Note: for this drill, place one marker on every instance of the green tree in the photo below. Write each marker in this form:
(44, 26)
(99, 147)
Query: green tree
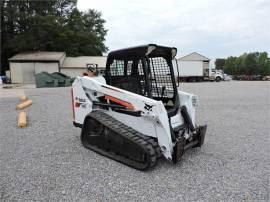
(240, 64)
(230, 65)
(263, 64)
(255, 63)
(50, 26)
(86, 28)
(220, 63)
(250, 64)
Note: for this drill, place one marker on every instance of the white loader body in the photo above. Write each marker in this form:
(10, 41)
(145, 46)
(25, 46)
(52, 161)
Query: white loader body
(153, 122)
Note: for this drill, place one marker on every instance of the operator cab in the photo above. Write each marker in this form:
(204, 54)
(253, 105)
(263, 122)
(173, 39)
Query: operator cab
(145, 70)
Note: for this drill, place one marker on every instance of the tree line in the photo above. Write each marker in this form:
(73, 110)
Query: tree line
(256, 63)
(49, 25)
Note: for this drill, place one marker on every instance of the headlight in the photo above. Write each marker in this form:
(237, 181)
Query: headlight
(195, 100)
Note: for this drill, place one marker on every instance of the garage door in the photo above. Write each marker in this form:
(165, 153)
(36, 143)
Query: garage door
(16, 72)
(28, 72)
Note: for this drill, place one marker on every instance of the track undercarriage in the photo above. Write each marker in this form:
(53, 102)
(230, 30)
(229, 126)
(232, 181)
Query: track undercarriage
(109, 137)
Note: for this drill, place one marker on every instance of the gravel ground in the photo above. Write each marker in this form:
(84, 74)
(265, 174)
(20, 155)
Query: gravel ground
(46, 161)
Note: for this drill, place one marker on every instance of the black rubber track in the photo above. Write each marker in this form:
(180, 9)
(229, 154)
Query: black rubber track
(147, 145)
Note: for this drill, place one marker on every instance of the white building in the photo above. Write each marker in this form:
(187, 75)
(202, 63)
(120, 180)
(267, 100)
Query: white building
(73, 66)
(193, 64)
(24, 66)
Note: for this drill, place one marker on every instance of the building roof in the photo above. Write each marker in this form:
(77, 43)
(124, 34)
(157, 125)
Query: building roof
(38, 56)
(82, 61)
(194, 57)
(150, 50)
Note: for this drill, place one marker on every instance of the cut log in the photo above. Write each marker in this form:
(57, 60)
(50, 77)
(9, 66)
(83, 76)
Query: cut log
(24, 104)
(22, 120)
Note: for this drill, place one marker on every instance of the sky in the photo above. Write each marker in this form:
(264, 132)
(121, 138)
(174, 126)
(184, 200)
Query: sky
(213, 28)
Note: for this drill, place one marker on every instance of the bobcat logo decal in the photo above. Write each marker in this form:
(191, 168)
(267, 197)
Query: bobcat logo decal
(148, 107)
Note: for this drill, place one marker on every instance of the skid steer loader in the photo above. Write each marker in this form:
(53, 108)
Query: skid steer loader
(135, 114)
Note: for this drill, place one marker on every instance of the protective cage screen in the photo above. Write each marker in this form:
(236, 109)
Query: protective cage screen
(129, 75)
(160, 78)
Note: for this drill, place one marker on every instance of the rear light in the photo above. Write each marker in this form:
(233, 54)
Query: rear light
(73, 112)
(77, 104)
